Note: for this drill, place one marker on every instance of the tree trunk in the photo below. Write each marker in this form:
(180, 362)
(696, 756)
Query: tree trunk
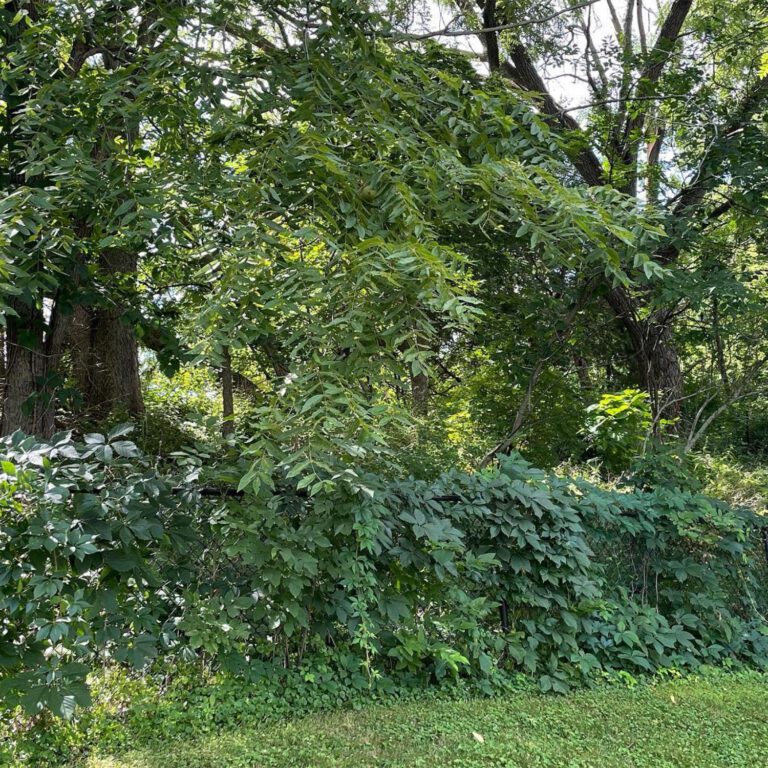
(227, 397)
(28, 402)
(655, 360)
(29, 398)
(105, 357)
(665, 377)
(420, 393)
(582, 373)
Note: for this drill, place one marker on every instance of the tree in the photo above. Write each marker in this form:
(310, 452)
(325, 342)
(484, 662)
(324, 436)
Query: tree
(76, 82)
(103, 103)
(640, 84)
(286, 188)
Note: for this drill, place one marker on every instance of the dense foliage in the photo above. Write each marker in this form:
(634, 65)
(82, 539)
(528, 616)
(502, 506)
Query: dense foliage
(480, 574)
(352, 280)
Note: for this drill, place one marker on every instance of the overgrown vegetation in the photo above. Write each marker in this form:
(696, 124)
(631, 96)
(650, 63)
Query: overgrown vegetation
(484, 574)
(334, 349)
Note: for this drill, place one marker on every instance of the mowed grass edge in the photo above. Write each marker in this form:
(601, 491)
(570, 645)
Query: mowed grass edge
(701, 723)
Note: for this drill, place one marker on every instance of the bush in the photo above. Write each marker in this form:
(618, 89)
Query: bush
(85, 530)
(617, 426)
(479, 576)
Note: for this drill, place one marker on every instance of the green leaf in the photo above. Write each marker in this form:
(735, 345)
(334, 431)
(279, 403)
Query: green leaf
(120, 431)
(122, 561)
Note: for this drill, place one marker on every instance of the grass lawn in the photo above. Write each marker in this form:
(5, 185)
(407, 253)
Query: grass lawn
(698, 723)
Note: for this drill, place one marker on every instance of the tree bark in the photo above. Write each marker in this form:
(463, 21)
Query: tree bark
(654, 358)
(27, 401)
(25, 405)
(105, 357)
(33, 351)
(521, 70)
(420, 393)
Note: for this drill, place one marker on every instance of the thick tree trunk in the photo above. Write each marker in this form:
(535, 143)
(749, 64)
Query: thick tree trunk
(655, 360)
(27, 403)
(105, 357)
(664, 378)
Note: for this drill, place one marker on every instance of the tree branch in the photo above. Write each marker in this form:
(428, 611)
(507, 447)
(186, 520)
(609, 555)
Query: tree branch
(525, 406)
(737, 393)
(490, 36)
(591, 50)
(668, 34)
(448, 32)
(692, 196)
(520, 69)
(641, 28)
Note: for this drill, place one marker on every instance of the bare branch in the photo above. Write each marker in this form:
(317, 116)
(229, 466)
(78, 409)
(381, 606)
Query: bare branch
(520, 416)
(615, 21)
(737, 393)
(649, 76)
(448, 32)
(621, 99)
(694, 437)
(591, 51)
(691, 197)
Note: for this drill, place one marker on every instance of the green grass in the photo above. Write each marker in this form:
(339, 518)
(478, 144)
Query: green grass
(700, 723)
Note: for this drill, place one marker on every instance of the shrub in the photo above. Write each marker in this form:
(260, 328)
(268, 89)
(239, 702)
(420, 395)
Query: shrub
(480, 576)
(617, 426)
(84, 529)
